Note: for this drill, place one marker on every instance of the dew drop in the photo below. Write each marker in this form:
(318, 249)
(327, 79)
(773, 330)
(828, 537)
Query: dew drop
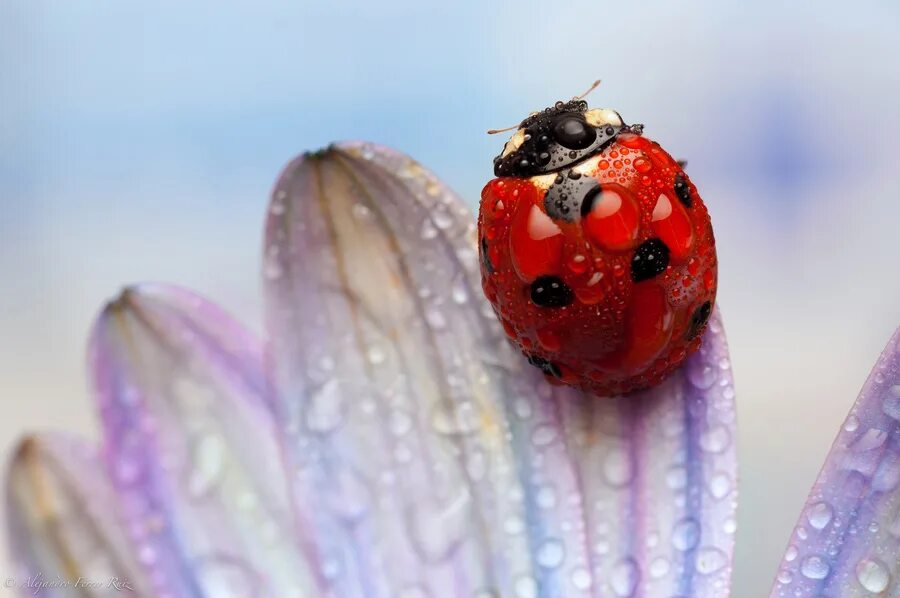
(715, 440)
(873, 575)
(819, 515)
(617, 468)
(851, 424)
(400, 423)
(702, 375)
(436, 319)
(686, 534)
(550, 554)
(791, 554)
(815, 567)
(224, 575)
(437, 528)
(428, 230)
(361, 212)
(720, 485)
(459, 292)
(442, 219)
(273, 269)
(891, 405)
(543, 435)
(659, 567)
(710, 560)
(208, 464)
(581, 578)
(323, 411)
(676, 477)
(624, 577)
(526, 587)
(546, 497)
(376, 355)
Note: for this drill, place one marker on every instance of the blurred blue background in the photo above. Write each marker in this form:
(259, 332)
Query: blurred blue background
(139, 141)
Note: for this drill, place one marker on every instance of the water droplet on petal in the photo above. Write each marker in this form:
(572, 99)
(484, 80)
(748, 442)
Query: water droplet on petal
(819, 515)
(625, 577)
(400, 423)
(436, 319)
(438, 528)
(581, 578)
(428, 231)
(526, 587)
(715, 439)
(686, 534)
(873, 575)
(659, 567)
(815, 567)
(376, 355)
(710, 560)
(208, 464)
(546, 497)
(617, 468)
(550, 554)
(442, 219)
(543, 435)
(324, 407)
(459, 292)
(720, 485)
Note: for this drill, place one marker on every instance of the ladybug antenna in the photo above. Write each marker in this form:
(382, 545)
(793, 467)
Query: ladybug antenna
(495, 131)
(593, 86)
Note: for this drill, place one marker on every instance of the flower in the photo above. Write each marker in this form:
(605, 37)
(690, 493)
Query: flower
(385, 440)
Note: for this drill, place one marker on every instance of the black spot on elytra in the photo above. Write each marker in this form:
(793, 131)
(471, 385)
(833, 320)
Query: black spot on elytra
(550, 369)
(485, 259)
(551, 291)
(565, 198)
(650, 259)
(683, 190)
(699, 320)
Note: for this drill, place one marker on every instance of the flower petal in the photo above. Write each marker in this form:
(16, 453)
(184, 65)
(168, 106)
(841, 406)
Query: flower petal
(191, 446)
(847, 542)
(432, 456)
(65, 521)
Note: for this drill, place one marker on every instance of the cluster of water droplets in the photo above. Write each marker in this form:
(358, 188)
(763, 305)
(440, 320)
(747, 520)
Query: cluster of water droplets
(849, 535)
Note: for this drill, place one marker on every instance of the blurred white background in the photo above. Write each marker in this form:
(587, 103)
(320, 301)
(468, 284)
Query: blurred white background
(138, 141)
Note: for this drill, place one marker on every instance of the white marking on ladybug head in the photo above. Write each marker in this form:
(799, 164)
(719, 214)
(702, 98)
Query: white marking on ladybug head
(514, 143)
(599, 117)
(543, 181)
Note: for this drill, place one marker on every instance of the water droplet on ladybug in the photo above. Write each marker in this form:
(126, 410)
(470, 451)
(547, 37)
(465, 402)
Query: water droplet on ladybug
(611, 217)
(683, 190)
(545, 366)
(699, 320)
(550, 291)
(573, 133)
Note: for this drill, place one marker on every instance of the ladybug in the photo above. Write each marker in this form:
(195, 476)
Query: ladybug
(597, 252)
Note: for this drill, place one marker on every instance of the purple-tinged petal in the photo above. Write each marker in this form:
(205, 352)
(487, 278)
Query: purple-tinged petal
(191, 446)
(650, 479)
(847, 542)
(431, 455)
(65, 522)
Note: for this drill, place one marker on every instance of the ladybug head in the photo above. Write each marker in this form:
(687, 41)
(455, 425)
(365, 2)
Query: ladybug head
(556, 137)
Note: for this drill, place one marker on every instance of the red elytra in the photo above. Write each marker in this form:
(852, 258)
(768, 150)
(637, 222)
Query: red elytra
(610, 299)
